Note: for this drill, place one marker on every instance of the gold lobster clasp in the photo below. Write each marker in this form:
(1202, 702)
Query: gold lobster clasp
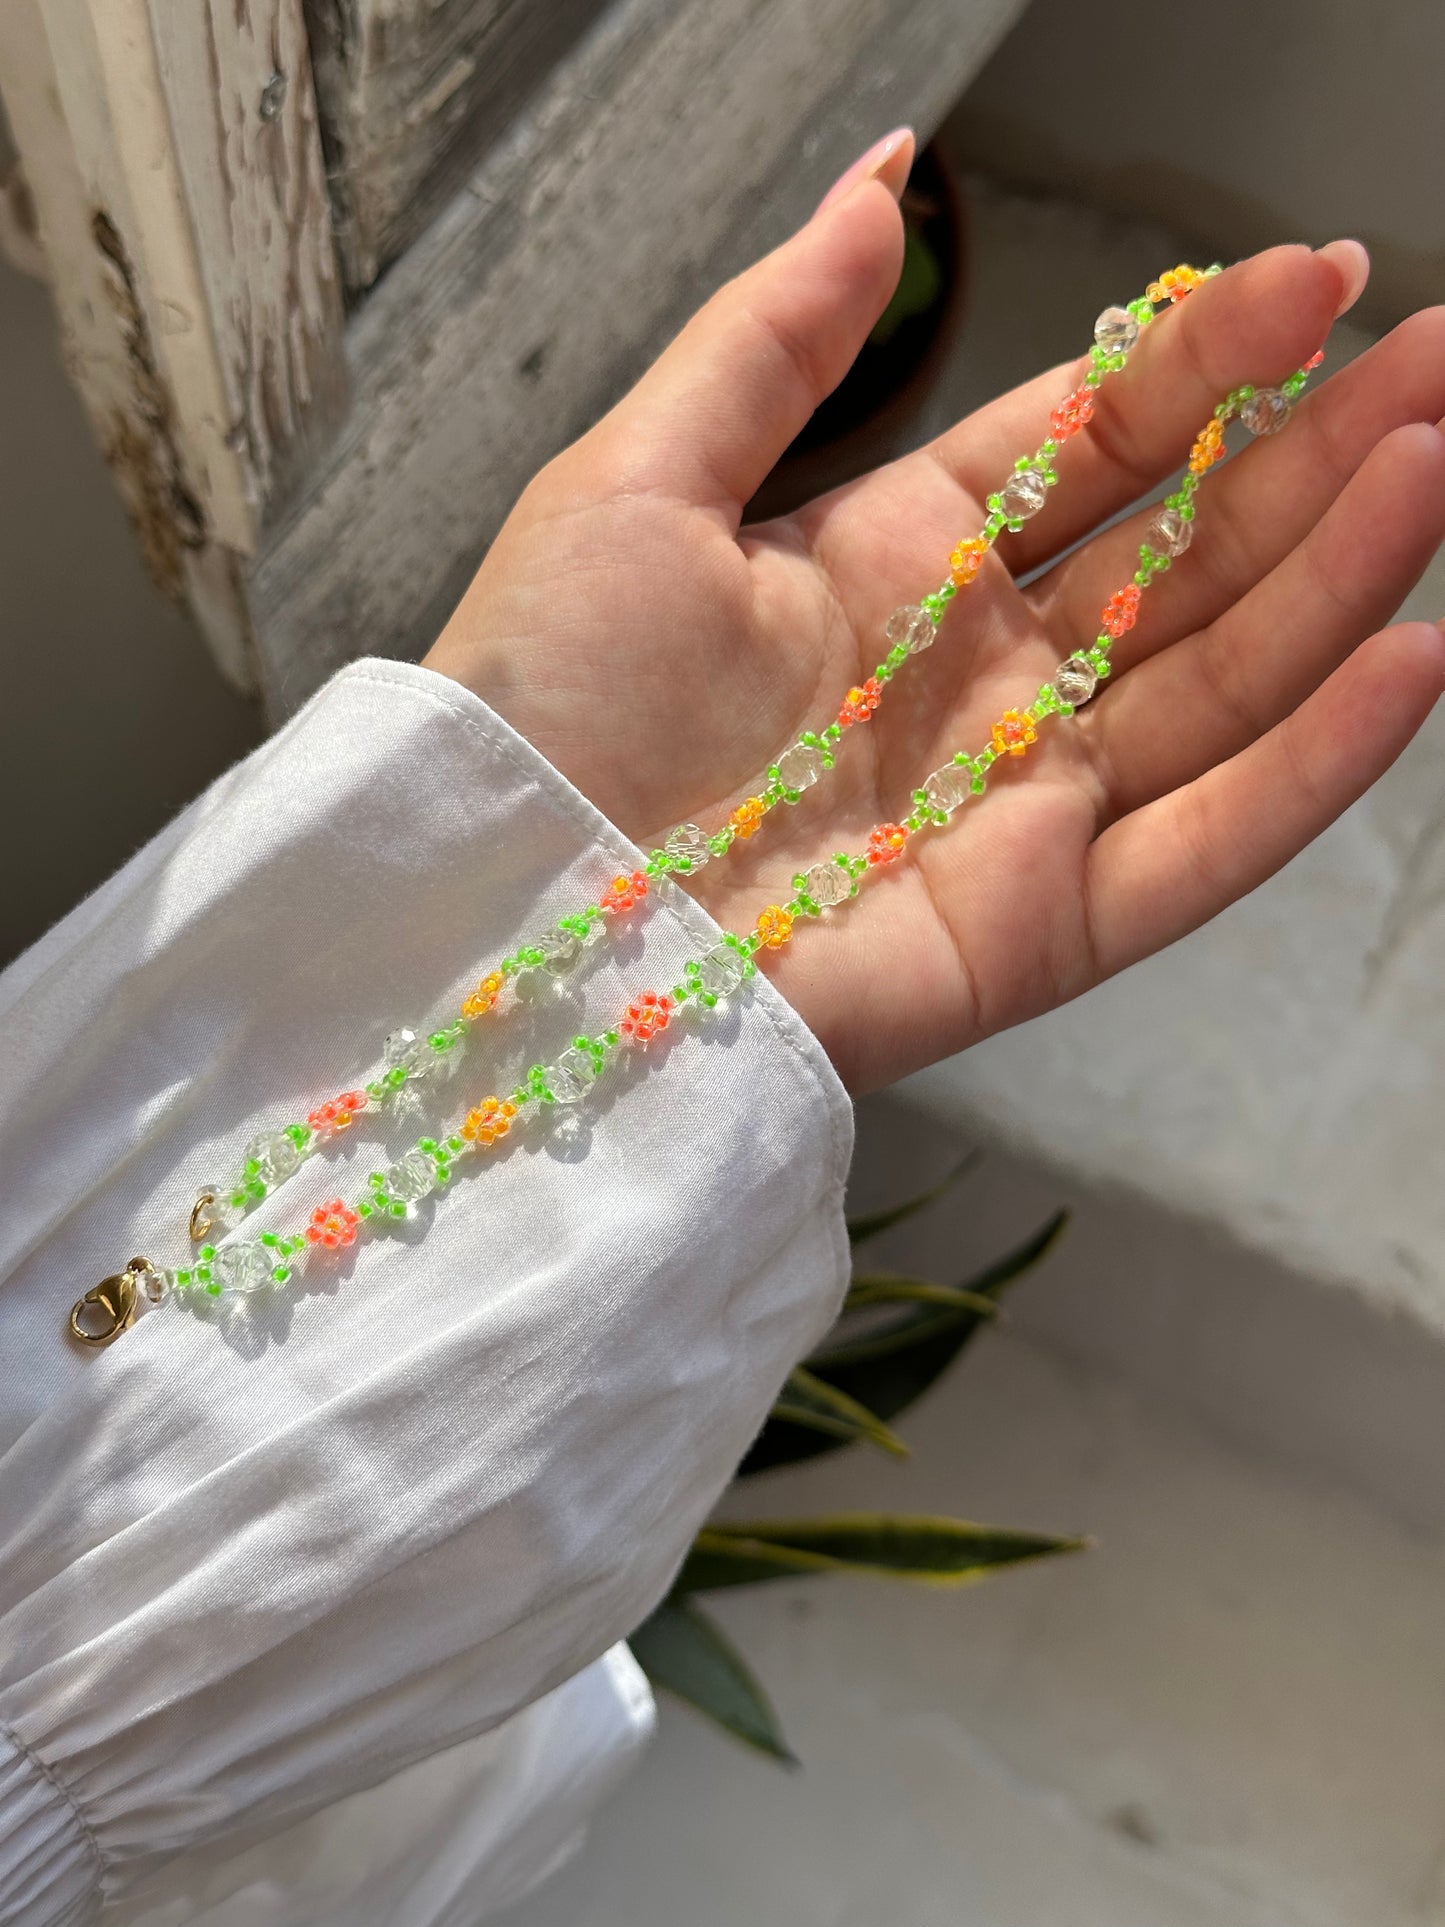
(104, 1311)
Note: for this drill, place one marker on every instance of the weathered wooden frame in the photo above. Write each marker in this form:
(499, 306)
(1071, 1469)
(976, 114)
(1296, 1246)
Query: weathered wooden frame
(173, 163)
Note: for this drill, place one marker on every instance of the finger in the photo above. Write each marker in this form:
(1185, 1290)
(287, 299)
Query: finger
(713, 414)
(1207, 697)
(1260, 505)
(1255, 322)
(1171, 866)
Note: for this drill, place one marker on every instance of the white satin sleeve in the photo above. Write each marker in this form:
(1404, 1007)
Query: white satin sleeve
(250, 1568)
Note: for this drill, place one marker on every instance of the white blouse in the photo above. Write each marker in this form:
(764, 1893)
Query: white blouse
(312, 1613)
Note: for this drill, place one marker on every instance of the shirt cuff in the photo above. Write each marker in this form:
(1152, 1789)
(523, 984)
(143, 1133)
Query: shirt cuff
(49, 1866)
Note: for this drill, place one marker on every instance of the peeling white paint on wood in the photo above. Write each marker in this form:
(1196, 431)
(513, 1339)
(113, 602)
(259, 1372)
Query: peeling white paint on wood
(242, 114)
(186, 232)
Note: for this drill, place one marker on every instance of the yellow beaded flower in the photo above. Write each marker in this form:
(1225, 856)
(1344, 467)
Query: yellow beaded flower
(1174, 283)
(1208, 446)
(1014, 731)
(775, 926)
(489, 1120)
(966, 560)
(747, 816)
(484, 996)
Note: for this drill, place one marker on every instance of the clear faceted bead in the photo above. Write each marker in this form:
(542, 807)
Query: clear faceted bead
(1075, 681)
(405, 1050)
(275, 1156)
(572, 1075)
(721, 970)
(826, 884)
(1266, 412)
(688, 841)
(1168, 533)
(911, 625)
(799, 767)
(1116, 331)
(411, 1178)
(153, 1283)
(242, 1267)
(560, 950)
(945, 789)
(1024, 494)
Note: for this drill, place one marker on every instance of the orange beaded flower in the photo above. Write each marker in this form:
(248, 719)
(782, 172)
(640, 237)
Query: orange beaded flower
(489, 1120)
(1208, 446)
(484, 996)
(885, 842)
(1174, 283)
(647, 1016)
(775, 926)
(1121, 610)
(332, 1225)
(623, 891)
(860, 703)
(1072, 413)
(337, 1113)
(747, 816)
(966, 560)
(1014, 731)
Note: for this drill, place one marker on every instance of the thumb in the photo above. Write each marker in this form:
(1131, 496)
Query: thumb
(716, 410)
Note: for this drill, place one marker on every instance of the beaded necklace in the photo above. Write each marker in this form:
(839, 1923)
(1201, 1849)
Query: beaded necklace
(414, 1058)
(242, 1266)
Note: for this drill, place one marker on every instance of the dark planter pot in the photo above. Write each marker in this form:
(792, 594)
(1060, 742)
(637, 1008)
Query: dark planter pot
(868, 417)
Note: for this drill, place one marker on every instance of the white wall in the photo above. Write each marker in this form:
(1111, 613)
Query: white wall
(1237, 123)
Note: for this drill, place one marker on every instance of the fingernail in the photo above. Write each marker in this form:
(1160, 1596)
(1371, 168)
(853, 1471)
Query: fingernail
(883, 157)
(1353, 262)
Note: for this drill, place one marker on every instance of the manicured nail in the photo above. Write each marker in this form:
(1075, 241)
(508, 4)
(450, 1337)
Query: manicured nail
(1353, 262)
(891, 158)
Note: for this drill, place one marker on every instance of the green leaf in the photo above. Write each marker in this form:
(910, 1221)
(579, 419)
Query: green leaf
(861, 1229)
(889, 1366)
(683, 1652)
(928, 1550)
(892, 1288)
(919, 282)
(806, 1400)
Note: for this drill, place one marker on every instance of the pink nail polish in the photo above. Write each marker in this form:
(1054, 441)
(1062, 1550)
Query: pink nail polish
(866, 166)
(1353, 262)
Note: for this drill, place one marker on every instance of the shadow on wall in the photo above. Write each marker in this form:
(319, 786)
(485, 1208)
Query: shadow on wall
(113, 715)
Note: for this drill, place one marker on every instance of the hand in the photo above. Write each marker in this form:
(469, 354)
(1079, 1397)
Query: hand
(661, 656)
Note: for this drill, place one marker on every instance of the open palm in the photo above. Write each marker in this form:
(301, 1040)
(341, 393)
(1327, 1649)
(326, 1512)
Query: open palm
(661, 656)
